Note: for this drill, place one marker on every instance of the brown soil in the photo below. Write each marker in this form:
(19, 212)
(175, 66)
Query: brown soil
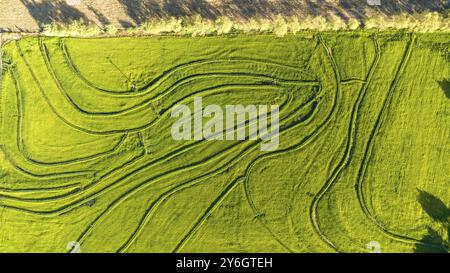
(31, 15)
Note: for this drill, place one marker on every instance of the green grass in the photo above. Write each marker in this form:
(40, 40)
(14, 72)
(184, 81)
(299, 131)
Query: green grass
(87, 154)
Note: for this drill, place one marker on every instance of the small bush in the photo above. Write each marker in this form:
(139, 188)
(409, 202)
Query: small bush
(224, 25)
(294, 25)
(111, 30)
(353, 24)
(423, 22)
(161, 26)
(280, 26)
(77, 28)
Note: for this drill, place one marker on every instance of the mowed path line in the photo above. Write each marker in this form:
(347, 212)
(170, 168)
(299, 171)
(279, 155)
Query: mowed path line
(65, 195)
(350, 144)
(46, 199)
(306, 141)
(313, 213)
(359, 186)
(168, 73)
(165, 196)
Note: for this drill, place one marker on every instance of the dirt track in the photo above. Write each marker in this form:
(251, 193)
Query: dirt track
(30, 15)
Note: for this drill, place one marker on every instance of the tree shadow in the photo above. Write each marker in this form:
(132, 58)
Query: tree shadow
(139, 11)
(433, 206)
(48, 11)
(142, 10)
(190, 7)
(445, 85)
(102, 19)
(433, 241)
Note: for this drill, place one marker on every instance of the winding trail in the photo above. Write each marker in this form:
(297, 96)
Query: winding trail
(115, 184)
(313, 213)
(202, 219)
(163, 197)
(359, 185)
(350, 144)
(163, 76)
(307, 140)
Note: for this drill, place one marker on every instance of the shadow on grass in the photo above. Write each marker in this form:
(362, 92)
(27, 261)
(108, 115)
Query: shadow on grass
(433, 206)
(432, 237)
(433, 241)
(445, 85)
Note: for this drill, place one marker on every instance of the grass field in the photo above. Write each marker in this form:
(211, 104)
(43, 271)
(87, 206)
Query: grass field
(87, 154)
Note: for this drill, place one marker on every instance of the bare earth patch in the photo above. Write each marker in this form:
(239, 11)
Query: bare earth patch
(31, 15)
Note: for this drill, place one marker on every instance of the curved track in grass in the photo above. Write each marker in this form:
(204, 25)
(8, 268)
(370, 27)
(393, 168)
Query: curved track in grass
(359, 185)
(162, 198)
(116, 150)
(92, 188)
(163, 76)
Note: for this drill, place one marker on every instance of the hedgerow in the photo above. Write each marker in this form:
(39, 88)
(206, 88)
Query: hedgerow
(278, 25)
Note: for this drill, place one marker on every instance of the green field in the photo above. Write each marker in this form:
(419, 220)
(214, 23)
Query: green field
(87, 154)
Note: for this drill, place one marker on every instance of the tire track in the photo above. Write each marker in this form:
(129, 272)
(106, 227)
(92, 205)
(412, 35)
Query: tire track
(313, 208)
(136, 129)
(142, 168)
(115, 184)
(202, 219)
(165, 75)
(300, 146)
(38, 164)
(213, 206)
(177, 84)
(190, 183)
(359, 186)
(21, 145)
(21, 54)
(30, 68)
(150, 211)
(349, 148)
